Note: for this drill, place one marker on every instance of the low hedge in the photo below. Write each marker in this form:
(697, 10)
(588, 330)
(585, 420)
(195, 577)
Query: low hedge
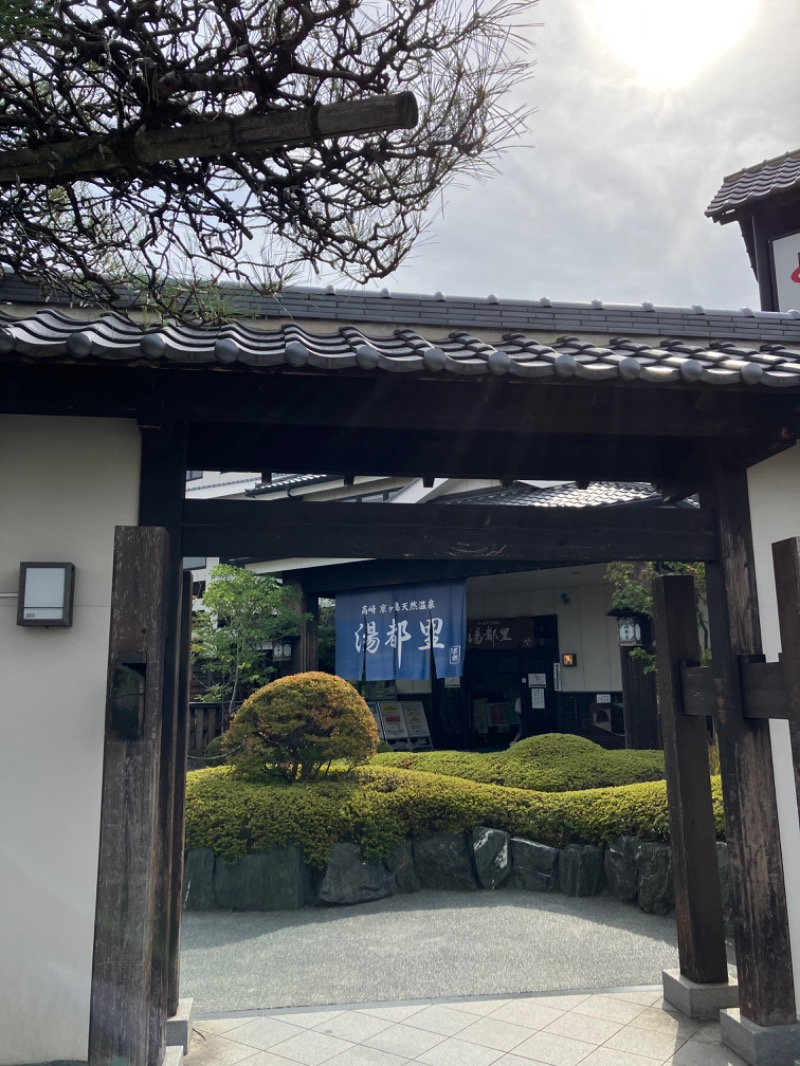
(378, 808)
(555, 762)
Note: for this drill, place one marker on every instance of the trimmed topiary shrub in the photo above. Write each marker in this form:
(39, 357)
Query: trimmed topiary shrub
(379, 808)
(296, 725)
(554, 762)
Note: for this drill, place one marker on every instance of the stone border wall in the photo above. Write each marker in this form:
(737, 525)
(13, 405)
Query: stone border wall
(632, 870)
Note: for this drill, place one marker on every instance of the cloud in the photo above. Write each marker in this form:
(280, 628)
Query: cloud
(609, 203)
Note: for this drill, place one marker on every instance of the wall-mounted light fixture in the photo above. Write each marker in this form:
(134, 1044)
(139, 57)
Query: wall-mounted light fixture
(569, 658)
(46, 593)
(565, 598)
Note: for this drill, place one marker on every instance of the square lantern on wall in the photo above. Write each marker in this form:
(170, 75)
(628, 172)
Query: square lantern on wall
(569, 659)
(46, 593)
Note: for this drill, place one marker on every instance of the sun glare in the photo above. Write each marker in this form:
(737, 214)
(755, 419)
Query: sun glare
(670, 42)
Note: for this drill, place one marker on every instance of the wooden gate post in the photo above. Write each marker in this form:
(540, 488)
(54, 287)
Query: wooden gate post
(786, 559)
(125, 916)
(758, 895)
(698, 899)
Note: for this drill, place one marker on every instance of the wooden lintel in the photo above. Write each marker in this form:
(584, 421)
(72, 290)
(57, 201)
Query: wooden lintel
(252, 528)
(763, 685)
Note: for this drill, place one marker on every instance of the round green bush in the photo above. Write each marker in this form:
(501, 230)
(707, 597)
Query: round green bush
(296, 725)
(554, 762)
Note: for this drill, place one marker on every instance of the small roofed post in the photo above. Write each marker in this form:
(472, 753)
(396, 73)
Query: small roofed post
(765, 200)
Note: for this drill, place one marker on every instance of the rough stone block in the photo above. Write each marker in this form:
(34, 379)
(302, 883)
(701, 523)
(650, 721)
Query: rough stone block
(443, 862)
(198, 880)
(534, 866)
(580, 870)
(401, 864)
(656, 889)
(179, 1025)
(350, 879)
(701, 1002)
(622, 873)
(490, 852)
(760, 1045)
(274, 880)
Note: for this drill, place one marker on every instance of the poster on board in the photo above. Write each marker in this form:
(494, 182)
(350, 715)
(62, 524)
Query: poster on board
(393, 719)
(416, 722)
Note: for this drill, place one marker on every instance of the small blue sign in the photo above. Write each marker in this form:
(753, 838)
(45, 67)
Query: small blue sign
(389, 634)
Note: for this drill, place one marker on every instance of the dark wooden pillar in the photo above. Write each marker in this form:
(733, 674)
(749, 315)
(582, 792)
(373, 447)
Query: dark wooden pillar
(639, 700)
(175, 901)
(307, 654)
(698, 899)
(127, 889)
(162, 489)
(786, 559)
(758, 896)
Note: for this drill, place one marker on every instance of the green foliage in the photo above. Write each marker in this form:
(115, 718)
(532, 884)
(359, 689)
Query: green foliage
(632, 585)
(239, 613)
(377, 808)
(296, 725)
(551, 763)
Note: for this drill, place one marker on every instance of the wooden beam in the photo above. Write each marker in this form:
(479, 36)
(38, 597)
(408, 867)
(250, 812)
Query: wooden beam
(162, 486)
(698, 898)
(786, 559)
(127, 892)
(758, 894)
(236, 528)
(219, 135)
(764, 691)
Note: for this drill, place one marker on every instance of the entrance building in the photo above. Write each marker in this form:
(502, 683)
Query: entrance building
(102, 418)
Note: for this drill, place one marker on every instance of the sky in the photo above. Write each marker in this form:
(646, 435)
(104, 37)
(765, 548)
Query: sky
(642, 107)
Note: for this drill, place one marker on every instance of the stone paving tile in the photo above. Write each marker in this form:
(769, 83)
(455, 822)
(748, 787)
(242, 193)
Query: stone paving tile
(604, 1056)
(647, 1042)
(699, 1053)
(610, 1010)
(531, 1013)
(405, 1040)
(611, 1028)
(662, 1021)
(515, 1060)
(263, 1033)
(561, 1000)
(210, 1050)
(494, 1033)
(353, 1026)
(583, 1027)
(217, 1025)
(647, 997)
(366, 1056)
(309, 1019)
(553, 1049)
(440, 1019)
(311, 1048)
(481, 1007)
(395, 1012)
(458, 1053)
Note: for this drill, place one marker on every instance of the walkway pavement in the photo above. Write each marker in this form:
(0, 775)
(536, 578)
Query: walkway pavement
(620, 1027)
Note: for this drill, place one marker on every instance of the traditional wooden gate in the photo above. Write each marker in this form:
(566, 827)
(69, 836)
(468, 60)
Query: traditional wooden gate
(139, 891)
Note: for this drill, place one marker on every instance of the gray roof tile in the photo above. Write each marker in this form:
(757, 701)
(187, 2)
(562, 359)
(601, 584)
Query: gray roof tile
(755, 183)
(51, 335)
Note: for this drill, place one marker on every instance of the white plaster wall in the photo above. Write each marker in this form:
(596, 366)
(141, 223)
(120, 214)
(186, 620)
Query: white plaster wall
(774, 488)
(583, 625)
(64, 484)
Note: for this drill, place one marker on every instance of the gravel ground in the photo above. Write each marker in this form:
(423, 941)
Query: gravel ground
(428, 944)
